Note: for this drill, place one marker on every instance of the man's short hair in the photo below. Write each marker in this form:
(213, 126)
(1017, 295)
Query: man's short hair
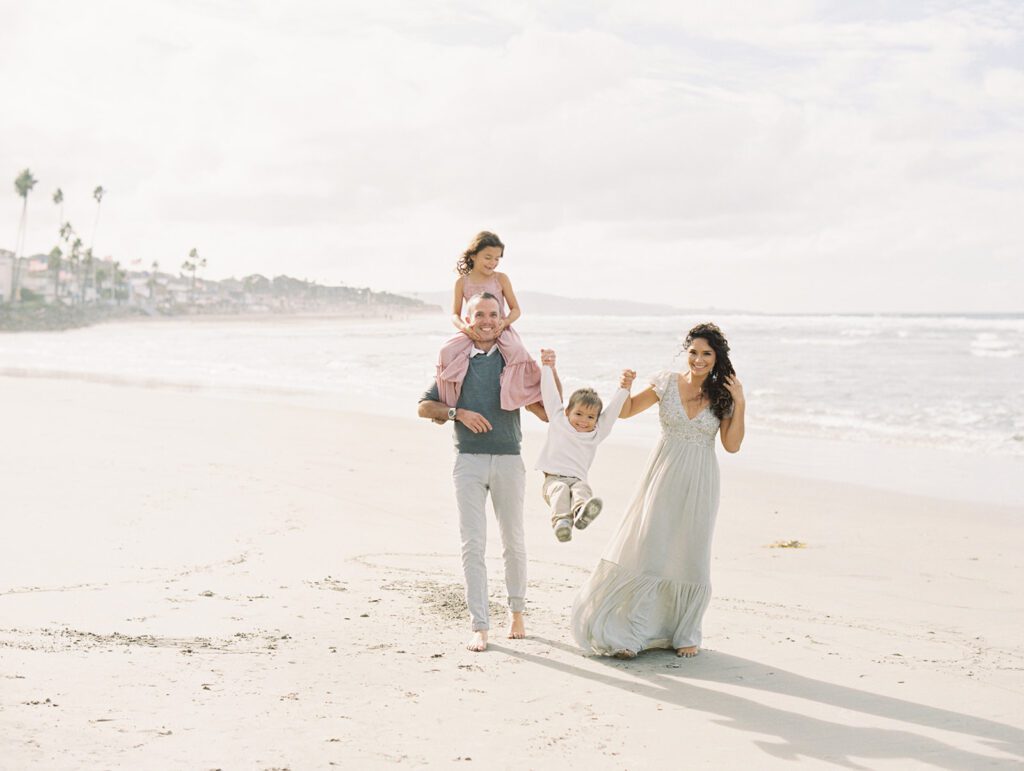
(586, 397)
(482, 296)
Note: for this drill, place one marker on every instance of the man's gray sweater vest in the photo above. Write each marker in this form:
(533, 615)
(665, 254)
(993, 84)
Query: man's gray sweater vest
(481, 392)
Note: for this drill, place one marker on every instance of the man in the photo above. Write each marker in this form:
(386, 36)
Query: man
(487, 440)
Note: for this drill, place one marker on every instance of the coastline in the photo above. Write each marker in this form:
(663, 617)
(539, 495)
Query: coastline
(205, 557)
(355, 313)
(63, 318)
(948, 472)
(58, 318)
(921, 471)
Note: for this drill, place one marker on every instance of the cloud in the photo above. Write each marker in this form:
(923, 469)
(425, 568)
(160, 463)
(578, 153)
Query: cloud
(769, 143)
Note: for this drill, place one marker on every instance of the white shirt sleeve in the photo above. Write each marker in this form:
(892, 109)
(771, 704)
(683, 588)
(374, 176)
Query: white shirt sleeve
(610, 414)
(549, 392)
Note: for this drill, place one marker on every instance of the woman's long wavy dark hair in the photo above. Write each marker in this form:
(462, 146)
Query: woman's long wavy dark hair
(480, 241)
(714, 384)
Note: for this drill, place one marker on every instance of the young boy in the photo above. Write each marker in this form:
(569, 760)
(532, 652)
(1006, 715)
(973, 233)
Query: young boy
(573, 436)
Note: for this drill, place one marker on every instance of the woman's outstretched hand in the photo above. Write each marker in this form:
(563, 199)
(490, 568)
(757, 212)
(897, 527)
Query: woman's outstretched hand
(628, 376)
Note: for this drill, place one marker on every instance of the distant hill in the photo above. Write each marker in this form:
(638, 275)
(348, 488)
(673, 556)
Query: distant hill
(551, 305)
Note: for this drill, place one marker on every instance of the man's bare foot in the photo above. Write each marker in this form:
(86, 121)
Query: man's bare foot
(479, 642)
(516, 627)
(625, 654)
(688, 652)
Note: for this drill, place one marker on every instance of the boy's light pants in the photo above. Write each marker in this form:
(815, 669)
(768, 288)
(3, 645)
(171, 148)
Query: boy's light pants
(565, 496)
(504, 477)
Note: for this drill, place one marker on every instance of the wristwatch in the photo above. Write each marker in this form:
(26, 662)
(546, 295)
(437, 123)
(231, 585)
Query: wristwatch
(451, 413)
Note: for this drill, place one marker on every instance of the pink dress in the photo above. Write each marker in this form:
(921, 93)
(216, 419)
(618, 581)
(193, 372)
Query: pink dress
(520, 380)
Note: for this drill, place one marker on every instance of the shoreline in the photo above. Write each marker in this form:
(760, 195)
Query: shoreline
(919, 470)
(333, 360)
(64, 318)
(381, 313)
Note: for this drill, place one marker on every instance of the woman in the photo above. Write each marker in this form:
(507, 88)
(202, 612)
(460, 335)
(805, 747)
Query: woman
(652, 586)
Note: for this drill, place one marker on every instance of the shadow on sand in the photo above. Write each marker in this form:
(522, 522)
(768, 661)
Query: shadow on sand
(799, 735)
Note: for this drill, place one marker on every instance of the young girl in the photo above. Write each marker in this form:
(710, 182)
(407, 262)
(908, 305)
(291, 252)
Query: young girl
(520, 379)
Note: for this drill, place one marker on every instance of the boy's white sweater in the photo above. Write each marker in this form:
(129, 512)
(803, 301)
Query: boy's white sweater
(568, 452)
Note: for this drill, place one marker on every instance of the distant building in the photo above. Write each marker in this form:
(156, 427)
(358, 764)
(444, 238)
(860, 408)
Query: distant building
(6, 275)
(141, 287)
(35, 277)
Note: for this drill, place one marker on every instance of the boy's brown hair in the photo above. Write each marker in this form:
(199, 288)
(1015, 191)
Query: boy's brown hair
(587, 397)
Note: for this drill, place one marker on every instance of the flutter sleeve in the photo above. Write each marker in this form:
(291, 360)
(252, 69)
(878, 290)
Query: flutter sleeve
(661, 382)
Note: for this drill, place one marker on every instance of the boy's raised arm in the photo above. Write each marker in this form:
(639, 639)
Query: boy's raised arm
(611, 411)
(548, 388)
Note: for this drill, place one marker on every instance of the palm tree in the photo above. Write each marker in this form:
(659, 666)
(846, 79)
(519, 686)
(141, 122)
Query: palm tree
(119, 276)
(58, 199)
(54, 263)
(66, 231)
(192, 264)
(76, 251)
(101, 277)
(98, 194)
(151, 282)
(88, 269)
(23, 184)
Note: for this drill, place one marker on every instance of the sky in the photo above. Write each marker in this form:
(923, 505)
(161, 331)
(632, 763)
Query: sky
(784, 156)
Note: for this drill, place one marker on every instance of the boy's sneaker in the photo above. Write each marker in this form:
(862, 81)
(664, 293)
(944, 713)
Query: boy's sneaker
(588, 513)
(563, 530)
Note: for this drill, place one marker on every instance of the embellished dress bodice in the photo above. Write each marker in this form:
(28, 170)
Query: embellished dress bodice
(675, 425)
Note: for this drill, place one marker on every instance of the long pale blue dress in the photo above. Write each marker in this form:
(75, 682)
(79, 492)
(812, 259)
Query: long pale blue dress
(653, 583)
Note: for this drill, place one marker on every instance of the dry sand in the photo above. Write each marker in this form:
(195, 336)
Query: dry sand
(188, 582)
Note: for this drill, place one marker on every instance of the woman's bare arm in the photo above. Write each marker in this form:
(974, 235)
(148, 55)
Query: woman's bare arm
(634, 405)
(733, 428)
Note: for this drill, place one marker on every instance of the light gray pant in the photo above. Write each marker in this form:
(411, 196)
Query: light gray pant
(565, 496)
(504, 477)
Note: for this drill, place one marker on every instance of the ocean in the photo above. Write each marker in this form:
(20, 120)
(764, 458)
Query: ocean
(951, 384)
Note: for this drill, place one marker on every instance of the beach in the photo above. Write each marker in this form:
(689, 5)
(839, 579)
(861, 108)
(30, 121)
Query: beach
(188, 580)
(242, 243)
